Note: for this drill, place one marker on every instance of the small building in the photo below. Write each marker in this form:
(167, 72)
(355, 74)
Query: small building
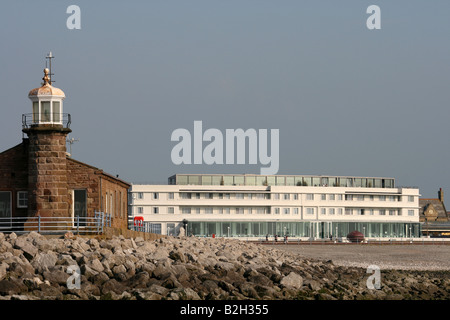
(39, 178)
(434, 216)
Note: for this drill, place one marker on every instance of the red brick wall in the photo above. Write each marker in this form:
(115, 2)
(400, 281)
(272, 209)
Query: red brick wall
(104, 193)
(14, 174)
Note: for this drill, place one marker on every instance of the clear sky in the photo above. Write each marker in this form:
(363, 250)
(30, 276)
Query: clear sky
(347, 100)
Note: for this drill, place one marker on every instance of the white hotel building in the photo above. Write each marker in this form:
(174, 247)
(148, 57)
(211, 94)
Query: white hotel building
(253, 206)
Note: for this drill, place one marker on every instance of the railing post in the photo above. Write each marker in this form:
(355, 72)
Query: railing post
(39, 224)
(78, 225)
(97, 221)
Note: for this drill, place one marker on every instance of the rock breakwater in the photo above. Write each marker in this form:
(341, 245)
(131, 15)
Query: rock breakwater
(33, 266)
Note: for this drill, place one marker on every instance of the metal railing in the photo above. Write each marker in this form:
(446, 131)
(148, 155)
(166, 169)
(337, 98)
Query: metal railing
(35, 119)
(146, 226)
(56, 225)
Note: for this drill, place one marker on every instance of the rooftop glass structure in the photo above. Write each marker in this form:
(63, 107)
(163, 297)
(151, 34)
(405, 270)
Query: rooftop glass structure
(279, 180)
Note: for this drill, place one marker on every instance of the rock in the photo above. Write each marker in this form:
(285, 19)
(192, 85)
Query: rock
(184, 294)
(56, 277)
(9, 287)
(96, 265)
(293, 280)
(87, 271)
(112, 285)
(12, 236)
(69, 235)
(119, 269)
(29, 250)
(43, 261)
(3, 268)
(312, 284)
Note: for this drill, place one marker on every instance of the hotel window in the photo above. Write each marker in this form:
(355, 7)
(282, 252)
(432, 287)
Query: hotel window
(276, 196)
(155, 210)
(209, 210)
(226, 210)
(371, 197)
(209, 196)
(186, 210)
(410, 212)
(382, 198)
(392, 198)
(360, 197)
(277, 211)
(22, 199)
(220, 195)
(260, 210)
(140, 195)
(286, 210)
(287, 196)
(249, 210)
(197, 195)
(392, 212)
(410, 198)
(295, 211)
(220, 210)
(331, 211)
(155, 195)
(309, 210)
(239, 196)
(349, 197)
(239, 210)
(360, 212)
(382, 212)
(170, 210)
(185, 196)
(310, 196)
(369, 212)
(170, 196)
(324, 196)
(140, 210)
(323, 211)
(332, 197)
(348, 211)
(249, 196)
(295, 196)
(340, 197)
(340, 211)
(227, 196)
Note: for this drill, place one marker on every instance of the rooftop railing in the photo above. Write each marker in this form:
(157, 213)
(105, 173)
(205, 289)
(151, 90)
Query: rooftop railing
(30, 120)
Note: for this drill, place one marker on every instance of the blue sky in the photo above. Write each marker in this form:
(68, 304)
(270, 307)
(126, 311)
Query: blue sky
(347, 100)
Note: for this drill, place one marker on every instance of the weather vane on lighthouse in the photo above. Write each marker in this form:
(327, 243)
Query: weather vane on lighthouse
(48, 64)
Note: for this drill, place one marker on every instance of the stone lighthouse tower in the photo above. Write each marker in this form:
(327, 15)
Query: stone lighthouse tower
(47, 128)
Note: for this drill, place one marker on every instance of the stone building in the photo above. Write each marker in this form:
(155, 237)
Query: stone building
(434, 216)
(39, 178)
(433, 210)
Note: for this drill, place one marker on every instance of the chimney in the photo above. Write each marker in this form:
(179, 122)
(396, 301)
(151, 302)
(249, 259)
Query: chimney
(441, 195)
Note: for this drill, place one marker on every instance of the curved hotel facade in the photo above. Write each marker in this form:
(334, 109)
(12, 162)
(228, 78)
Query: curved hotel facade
(298, 206)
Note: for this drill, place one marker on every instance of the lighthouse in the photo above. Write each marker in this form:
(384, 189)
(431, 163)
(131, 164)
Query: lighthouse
(47, 128)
